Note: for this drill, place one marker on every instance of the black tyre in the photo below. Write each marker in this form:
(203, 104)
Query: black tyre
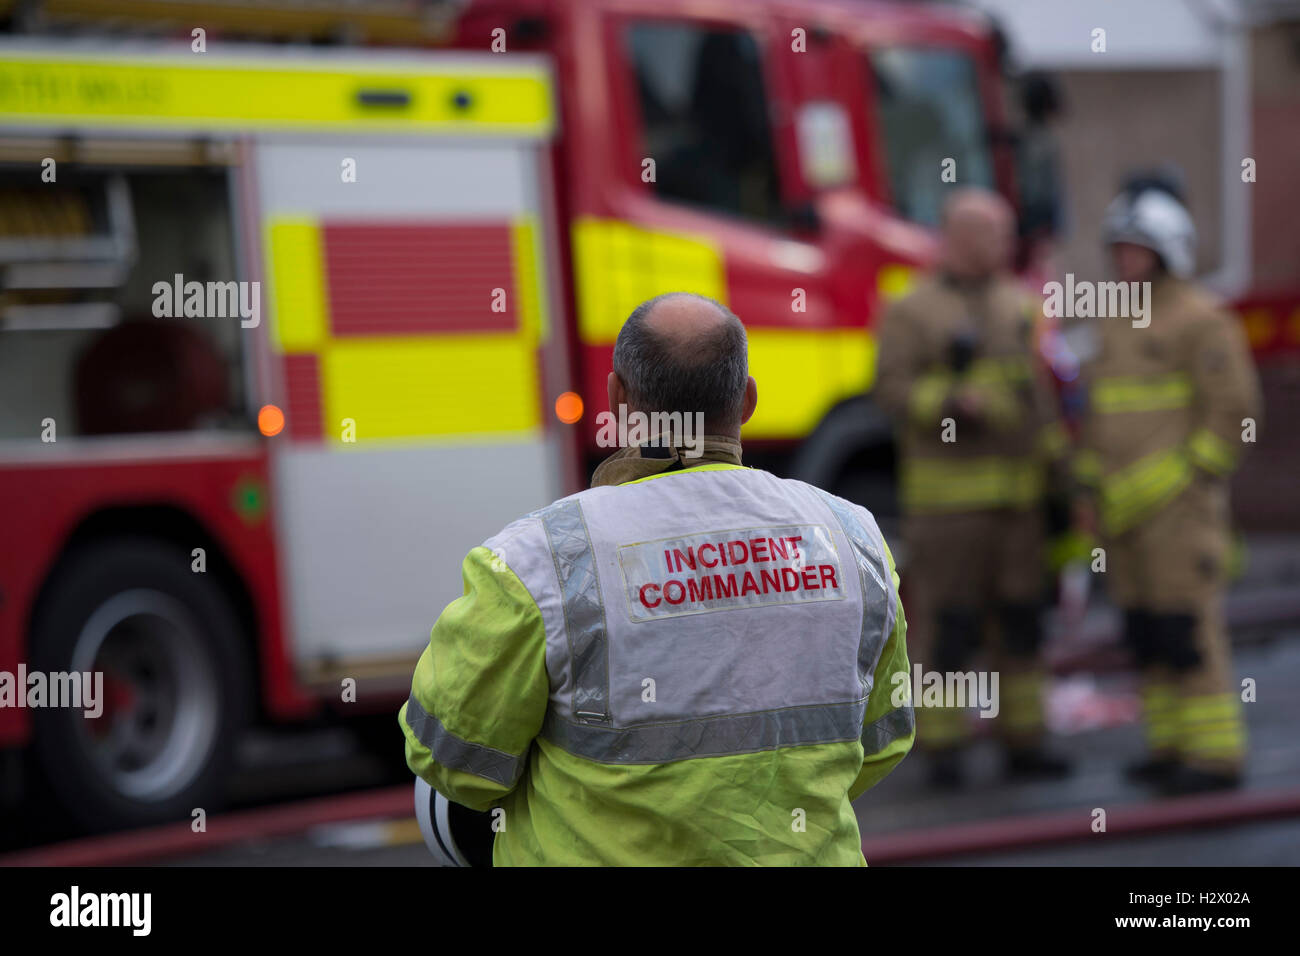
(851, 454)
(176, 685)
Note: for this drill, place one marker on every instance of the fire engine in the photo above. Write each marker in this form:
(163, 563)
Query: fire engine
(444, 212)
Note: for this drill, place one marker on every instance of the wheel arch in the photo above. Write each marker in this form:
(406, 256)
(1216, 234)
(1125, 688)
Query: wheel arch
(852, 426)
(173, 525)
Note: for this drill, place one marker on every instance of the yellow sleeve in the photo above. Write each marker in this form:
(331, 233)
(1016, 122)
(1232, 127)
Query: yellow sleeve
(480, 689)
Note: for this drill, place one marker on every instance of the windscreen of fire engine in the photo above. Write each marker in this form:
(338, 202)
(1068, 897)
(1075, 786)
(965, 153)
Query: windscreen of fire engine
(931, 119)
(120, 313)
(704, 113)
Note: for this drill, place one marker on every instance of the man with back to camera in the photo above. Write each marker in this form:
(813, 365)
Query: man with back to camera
(690, 663)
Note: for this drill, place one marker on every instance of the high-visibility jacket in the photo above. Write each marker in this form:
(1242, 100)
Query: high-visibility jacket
(1002, 461)
(1164, 400)
(691, 668)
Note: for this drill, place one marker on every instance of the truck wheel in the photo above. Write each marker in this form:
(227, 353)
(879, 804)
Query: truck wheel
(175, 685)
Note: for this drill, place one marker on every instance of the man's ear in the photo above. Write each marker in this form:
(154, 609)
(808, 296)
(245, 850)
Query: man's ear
(751, 400)
(617, 393)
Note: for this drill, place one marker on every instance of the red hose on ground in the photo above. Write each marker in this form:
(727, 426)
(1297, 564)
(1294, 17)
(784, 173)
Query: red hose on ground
(1066, 826)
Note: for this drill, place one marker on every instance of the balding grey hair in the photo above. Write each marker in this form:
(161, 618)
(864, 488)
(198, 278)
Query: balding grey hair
(706, 372)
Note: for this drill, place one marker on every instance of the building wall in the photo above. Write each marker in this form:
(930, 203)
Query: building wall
(1275, 145)
(1117, 121)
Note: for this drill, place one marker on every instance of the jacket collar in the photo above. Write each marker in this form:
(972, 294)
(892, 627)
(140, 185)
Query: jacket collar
(642, 461)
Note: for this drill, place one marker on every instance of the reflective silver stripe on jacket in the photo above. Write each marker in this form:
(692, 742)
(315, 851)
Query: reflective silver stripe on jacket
(879, 602)
(453, 752)
(584, 613)
(708, 736)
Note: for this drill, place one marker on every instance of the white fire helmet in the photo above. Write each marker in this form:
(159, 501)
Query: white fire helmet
(455, 835)
(1155, 220)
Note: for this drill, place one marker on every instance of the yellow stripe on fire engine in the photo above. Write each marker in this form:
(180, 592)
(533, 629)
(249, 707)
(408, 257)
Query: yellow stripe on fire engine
(534, 322)
(162, 90)
(297, 274)
(618, 266)
(895, 281)
(423, 386)
(802, 374)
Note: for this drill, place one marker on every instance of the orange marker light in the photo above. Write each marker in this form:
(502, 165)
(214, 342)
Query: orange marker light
(270, 420)
(568, 407)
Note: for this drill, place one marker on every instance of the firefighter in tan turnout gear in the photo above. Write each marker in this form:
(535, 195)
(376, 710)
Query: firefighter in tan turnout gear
(1169, 404)
(979, 441)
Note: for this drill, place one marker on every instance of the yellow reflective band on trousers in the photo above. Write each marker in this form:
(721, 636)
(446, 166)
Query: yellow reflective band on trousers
(957, 484)
(1160, 715)
(1129, 494)
(1133, 394)
(1211, 452)
(1210, 729)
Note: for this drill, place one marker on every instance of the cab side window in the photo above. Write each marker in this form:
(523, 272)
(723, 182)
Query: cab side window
(930, 111)
(705, 120)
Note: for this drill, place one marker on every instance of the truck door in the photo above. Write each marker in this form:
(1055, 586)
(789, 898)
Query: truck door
(689, 180)
(410, 311)
(930, 117)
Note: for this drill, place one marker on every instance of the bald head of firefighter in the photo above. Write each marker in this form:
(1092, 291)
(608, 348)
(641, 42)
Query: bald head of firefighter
(682, 352)
(663, 668)
(977, 433)
(977, 231)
